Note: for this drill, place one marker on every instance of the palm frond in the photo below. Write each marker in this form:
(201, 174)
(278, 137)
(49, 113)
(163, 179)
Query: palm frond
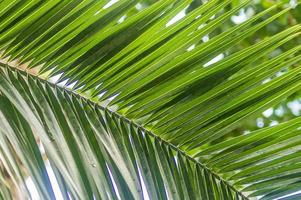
(92, 147)
(140, 103)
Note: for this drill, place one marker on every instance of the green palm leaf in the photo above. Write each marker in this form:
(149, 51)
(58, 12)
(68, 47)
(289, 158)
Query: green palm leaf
(125, 100)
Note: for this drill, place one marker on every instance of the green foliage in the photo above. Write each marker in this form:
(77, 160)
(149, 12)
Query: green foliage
(125, 95)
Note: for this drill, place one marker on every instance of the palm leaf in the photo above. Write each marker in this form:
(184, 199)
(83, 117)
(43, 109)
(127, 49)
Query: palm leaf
(127, 103)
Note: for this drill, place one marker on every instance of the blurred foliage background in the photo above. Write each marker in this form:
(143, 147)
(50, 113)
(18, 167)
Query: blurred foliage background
(291, 107)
